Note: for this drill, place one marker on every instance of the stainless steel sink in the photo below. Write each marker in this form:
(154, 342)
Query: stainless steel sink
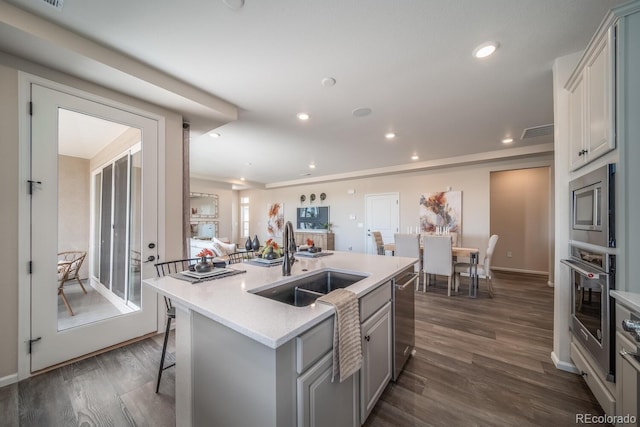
(303, 291)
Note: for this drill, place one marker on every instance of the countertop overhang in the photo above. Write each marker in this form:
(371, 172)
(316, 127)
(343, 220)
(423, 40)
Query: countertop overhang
(230, 301)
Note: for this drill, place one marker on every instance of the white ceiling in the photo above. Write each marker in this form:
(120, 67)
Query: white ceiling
(409, 61)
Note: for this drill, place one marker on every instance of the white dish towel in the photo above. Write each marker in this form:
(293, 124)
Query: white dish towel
(347, 341)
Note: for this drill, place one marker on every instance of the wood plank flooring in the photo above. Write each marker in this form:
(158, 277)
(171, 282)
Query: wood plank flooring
(478, 362)
(116, 388)
(485, 362)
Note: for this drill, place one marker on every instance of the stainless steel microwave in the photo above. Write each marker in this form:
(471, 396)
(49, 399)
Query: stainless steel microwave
(593, 207)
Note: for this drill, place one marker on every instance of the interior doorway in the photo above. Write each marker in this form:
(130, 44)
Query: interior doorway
(382, 212)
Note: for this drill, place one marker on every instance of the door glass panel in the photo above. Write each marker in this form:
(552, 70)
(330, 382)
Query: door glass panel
(105, 227)
(135, 241)
(98, 217)
(120, 223)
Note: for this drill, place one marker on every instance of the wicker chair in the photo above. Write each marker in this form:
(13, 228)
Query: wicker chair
(75, 259)
(69, 264)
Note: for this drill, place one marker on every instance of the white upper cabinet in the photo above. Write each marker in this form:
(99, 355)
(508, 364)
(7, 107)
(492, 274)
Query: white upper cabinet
(591, 103)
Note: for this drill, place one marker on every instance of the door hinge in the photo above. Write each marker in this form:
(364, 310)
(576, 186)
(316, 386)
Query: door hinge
(30, 108)
(31, 184)
(31, 343)
(30, 267)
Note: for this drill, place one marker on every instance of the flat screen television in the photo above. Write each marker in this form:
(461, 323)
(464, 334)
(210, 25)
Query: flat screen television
(312, 218)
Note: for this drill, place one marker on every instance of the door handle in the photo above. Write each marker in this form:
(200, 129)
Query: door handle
(150, 258)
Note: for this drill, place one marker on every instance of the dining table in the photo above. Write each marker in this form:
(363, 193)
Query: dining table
(457, 251)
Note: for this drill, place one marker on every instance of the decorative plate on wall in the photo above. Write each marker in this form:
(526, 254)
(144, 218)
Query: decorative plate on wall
(303, 198)
(312, 197)
(323, 196)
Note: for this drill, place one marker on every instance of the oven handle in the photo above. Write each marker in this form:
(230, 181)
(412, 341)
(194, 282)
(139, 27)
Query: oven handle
(589, 274)
(632, 358)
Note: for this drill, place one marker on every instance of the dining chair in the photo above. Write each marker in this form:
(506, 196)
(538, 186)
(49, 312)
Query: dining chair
(484, 269)
(236, 257)
(377, 238)
(408, 245)
(164, 269)
(437, 259)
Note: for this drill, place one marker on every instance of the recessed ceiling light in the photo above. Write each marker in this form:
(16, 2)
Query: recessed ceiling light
(242, 178)
(312, 166)
(303, 116)
(507, 140)
(485, 49)
(389, 135)
(328, 82)
(361, 112)
(214, 135)
(415, 157)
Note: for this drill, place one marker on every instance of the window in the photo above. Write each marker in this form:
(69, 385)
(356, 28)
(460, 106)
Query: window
(244, 216)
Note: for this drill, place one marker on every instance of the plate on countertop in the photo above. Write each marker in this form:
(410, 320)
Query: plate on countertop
(306, 254)
(211, 273)
(267, 261)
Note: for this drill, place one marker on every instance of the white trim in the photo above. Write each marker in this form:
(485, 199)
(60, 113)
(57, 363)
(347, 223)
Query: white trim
(8, 380)
(520, 270)
(564, 366)
(550, 284)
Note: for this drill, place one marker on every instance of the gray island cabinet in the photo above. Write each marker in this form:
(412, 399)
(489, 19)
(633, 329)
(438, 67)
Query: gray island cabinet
(242, 359)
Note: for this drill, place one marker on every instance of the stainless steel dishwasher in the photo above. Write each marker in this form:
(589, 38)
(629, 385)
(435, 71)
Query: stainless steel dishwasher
(403, 319)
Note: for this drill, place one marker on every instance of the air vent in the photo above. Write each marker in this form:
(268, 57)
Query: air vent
(537, 131)
(55, 3)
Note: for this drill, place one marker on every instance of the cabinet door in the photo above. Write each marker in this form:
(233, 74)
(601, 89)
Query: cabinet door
(325, 403)
(599, 92)
(626, 380)
(576, 124)
(377, 363)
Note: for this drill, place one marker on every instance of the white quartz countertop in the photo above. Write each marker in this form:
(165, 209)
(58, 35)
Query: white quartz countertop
(630, 299)
(230, 301)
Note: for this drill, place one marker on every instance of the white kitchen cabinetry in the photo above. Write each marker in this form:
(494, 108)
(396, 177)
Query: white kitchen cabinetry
(376, 364)
(377, 351)
(320, 401)
(627, 380)
(325, 403)
(591, 103)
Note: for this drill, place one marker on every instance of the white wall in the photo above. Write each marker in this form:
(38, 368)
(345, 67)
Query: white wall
(471, 179)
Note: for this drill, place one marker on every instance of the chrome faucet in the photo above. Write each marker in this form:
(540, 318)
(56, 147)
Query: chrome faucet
(289, 247)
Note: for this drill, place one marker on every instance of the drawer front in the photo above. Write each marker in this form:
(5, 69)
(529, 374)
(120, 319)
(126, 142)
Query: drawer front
(599, 390)
(314, 344)
(371, 302)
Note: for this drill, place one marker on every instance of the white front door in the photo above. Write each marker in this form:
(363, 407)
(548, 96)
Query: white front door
(53, 231)
(383, 215)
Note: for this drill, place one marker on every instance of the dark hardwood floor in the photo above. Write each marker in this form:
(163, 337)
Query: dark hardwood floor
(112, 389)
(478, 362)
(485, 362)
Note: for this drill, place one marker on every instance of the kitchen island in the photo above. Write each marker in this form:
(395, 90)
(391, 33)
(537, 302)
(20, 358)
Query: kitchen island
(242, 359)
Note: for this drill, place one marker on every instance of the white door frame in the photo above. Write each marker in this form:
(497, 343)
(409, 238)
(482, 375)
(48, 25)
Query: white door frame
(24, 249)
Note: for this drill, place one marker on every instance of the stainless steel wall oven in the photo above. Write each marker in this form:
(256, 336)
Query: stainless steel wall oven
(592, 317)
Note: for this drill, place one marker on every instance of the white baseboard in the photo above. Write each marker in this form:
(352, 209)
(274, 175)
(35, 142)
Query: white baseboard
(519, 270)
(564, 366)
(9, 379)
